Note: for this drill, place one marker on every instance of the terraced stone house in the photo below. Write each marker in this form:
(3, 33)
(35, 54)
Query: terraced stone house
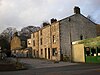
(53, 41)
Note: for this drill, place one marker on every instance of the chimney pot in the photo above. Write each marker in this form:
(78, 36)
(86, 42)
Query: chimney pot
(53, 20)
(76, 10)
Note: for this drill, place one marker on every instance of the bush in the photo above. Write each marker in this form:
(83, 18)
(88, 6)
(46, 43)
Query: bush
(66, 58)
(19, 66)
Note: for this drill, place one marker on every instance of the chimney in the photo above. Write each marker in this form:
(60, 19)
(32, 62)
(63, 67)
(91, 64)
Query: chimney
(76, 10)
(45, 24)
(53, 20)
(15, 34)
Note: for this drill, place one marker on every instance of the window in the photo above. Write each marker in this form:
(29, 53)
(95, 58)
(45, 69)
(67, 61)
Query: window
(54, 41)
(81, 37)
(33, 42)
(54, 51)
(41, 41)
(41, 51)
(40, 32)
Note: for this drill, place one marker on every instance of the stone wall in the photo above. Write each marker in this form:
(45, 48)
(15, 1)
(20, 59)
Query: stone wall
(44, 42)
(35, 44)
(74, 28)
(55, 36)
(98, 30)
(15, 43)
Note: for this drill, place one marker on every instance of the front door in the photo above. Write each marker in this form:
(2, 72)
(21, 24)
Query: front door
(48, 53)
(45, 53)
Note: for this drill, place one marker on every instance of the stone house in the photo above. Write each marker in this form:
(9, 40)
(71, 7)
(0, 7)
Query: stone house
(73, 28)
(17, 48)
(44, 42)
(55, 40)
(15, 42)
(35, 44)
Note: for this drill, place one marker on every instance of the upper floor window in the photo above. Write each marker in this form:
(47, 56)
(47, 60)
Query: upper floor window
(54, 40)
(33, 42)
(81, 37)
(41, 41)
(40, 32)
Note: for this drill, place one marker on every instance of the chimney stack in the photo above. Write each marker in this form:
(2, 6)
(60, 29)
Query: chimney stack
(45, 24)
(53, 20)
(76, 10)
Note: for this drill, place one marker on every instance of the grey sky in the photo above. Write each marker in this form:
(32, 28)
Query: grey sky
(21, 13)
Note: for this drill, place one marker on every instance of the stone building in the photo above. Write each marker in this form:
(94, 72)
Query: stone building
(35, 44)
(55, 40)
(98, 29)
(15, 42)
(44, 42)
(17, 48)
(73, 28)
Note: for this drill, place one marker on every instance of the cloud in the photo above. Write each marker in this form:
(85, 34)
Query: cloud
(21, 13)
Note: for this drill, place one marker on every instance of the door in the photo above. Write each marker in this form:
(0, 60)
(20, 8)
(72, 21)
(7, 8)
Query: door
(45, 53)
(48, 53)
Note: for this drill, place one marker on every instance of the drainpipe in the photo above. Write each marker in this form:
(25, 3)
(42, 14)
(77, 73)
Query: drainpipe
(50, 43)
(70, 37)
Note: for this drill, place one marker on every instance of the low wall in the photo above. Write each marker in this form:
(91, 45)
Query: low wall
(7, 67)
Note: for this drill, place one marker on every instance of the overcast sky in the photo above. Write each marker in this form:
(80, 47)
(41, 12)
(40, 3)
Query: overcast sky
(21, 13)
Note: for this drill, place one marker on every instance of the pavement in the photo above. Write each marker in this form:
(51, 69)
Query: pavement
(42, 63)
(46, 67)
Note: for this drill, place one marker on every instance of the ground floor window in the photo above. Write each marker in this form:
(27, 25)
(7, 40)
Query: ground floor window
(54, 51)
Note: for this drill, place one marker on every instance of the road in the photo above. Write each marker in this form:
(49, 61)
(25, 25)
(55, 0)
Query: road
(49, 68)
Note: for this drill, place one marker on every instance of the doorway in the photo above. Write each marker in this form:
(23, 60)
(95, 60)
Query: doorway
(48, 53)
(45, 53)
